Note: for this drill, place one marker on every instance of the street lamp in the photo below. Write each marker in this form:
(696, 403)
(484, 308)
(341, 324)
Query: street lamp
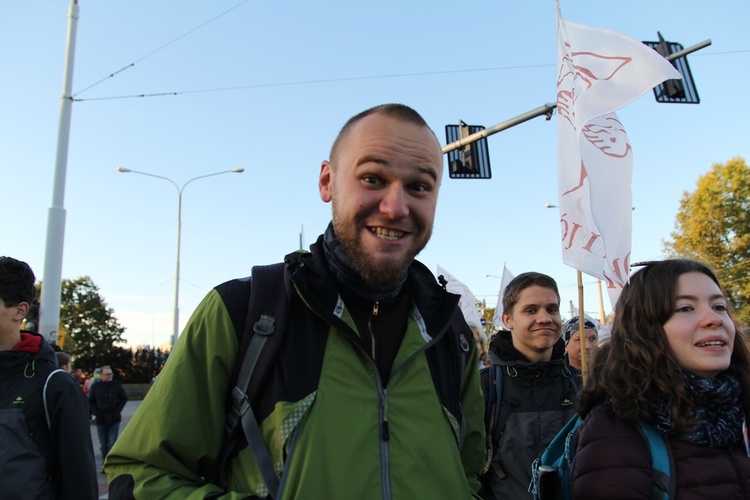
(176, 319)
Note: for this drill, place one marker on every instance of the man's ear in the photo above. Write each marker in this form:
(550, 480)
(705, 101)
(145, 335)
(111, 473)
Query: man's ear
(324, 181)
(22, 309)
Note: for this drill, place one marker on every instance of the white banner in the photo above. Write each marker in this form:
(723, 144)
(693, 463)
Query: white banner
(467, 302)
(600, 71)
(497, 319)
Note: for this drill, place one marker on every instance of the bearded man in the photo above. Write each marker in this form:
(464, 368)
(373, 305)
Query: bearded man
(373, 393)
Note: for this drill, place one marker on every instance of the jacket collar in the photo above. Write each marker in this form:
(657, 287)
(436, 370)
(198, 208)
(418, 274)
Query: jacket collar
(316, 285)
(18, 357)
(502, 351)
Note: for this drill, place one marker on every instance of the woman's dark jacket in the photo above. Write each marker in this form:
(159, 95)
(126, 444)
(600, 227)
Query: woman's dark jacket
(613, 462)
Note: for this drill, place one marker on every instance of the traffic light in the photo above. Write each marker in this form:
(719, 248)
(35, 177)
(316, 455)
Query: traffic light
(675, 91)
(471, 161)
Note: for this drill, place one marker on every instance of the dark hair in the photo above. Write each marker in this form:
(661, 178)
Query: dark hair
(399, 111)
(63, 358)
(636, 367)
(16, 282)
(522, 282)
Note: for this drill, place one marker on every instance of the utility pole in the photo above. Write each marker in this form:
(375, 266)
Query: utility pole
(49, 310)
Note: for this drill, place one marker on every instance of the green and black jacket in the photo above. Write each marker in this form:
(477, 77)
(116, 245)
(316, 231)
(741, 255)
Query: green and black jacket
(330, 423)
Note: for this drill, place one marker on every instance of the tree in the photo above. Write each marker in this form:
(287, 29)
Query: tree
(90, 325)
(488, 313)
(144, 365)
(713, 226)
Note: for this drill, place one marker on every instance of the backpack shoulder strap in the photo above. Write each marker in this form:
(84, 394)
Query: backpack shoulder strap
(447, 362)
(495, 399)
(44, 396)
(662, 462)
(464, 348)
(267, 311)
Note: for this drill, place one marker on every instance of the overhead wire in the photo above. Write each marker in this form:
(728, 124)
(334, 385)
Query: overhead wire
(326, 80)
(111, 75)
(300, 82)
(349, 79)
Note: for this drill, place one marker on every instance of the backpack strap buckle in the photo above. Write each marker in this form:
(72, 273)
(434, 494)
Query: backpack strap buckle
(264, 326)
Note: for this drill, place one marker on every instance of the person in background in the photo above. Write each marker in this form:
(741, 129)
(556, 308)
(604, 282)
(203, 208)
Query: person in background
(63, 361)
(45, 441)
(107, 398)
(93, 379)
(537, 392)
(572, 338)
(481, 342)
(678, 361)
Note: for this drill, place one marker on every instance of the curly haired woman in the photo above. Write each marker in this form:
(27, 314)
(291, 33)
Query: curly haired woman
(677, 360)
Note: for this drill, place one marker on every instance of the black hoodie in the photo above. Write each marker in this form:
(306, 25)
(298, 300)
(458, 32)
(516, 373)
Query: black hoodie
(537, 401)
(41, 460)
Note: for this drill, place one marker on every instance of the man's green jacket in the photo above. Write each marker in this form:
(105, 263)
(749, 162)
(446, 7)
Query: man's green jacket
(332, 427)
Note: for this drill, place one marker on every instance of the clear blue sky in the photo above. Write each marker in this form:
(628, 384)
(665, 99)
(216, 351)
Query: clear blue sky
(298, 70)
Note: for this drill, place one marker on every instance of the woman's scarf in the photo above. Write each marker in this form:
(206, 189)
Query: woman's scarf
(716, 408)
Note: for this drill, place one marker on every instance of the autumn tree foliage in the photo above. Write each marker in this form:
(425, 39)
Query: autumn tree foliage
(713, 226)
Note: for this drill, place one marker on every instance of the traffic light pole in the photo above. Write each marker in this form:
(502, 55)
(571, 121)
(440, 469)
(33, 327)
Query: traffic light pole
(545, 110)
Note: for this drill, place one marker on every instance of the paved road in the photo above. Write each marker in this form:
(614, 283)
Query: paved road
(127, 412)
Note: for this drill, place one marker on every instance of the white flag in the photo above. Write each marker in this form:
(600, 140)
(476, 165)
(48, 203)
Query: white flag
(467, 303)
(497, 319)
(600, 71)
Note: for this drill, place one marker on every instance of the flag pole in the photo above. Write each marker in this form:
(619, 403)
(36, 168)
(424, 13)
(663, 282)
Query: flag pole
(582, 333)
(602, 317)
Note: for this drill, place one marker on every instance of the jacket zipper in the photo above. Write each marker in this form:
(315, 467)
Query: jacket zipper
(375, 308)
(384, 431)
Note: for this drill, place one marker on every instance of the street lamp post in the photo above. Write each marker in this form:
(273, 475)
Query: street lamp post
(176, 318)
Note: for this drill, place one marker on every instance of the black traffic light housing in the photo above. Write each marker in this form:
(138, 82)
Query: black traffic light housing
(675, 91)
(471, 161)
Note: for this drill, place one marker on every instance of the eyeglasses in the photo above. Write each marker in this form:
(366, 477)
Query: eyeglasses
(106, 374)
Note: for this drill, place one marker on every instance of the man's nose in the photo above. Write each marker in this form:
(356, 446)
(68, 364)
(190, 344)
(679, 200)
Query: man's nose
(544, 317)
(394, 203)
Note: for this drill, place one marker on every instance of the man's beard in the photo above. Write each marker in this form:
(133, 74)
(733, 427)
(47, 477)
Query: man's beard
(379, 276)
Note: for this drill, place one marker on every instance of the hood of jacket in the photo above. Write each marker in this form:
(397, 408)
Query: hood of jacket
(17, 359)
(502, 352)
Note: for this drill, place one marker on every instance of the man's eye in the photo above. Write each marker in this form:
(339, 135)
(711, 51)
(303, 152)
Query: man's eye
(371, 179)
